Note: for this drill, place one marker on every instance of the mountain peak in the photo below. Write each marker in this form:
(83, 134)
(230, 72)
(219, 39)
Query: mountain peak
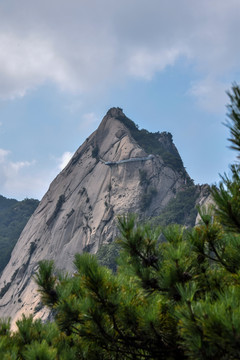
(118, 170)
(108, 121)
(115, 112)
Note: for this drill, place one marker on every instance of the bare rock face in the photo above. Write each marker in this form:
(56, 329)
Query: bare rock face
(110, 174)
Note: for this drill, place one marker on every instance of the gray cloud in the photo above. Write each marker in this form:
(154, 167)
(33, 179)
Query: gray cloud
(83, 45)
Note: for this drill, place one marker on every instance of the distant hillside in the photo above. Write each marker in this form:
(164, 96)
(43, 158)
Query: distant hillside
(13, 217)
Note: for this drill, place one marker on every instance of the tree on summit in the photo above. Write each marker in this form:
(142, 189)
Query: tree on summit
(178, 298)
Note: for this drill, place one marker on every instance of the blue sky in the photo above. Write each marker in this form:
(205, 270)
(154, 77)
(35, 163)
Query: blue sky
(63, 64)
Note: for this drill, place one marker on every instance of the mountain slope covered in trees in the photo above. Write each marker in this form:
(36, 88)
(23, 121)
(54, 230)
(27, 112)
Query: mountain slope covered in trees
(13, 217)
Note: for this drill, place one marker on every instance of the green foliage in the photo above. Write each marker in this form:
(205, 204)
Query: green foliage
(4, 327)
(6, 203)
(46, 281)
(107, 255)
(147, 198)
(181, 209)
(40, 351)
(13, 217)
(33, 340)
(227, 196)
(177, 299)
(233, 122)
(152, 145)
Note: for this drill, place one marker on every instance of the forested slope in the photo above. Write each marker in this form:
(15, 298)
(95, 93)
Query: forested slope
(13, 217)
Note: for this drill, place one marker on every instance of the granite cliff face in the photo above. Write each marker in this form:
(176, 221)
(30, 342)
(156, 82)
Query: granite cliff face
(110, 174)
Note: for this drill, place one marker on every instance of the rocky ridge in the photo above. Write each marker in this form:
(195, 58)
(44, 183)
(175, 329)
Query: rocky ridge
(78, 212)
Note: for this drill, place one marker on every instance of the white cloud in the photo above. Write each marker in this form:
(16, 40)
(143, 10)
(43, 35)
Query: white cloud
(15, 167)
(27, 62)
(144, 64)
(210, 94)
(13, 178)
(81, 46)
(64, 160)
(3, 155)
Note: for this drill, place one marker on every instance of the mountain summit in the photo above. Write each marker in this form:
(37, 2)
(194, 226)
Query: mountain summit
(117, 170)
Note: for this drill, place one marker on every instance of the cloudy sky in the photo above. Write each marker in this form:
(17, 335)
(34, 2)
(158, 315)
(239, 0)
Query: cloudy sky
(63, 64)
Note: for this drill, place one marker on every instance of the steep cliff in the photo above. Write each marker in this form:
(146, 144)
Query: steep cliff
(118, 169)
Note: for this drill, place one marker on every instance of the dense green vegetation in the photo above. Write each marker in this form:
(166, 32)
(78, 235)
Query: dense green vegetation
(107, 255)
(181, 209)
(13, 217)
(150, 143)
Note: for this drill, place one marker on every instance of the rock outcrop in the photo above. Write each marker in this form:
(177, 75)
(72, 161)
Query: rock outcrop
(78, 212)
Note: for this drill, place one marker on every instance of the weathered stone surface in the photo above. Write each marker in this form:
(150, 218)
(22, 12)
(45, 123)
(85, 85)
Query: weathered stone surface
(78, 212)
